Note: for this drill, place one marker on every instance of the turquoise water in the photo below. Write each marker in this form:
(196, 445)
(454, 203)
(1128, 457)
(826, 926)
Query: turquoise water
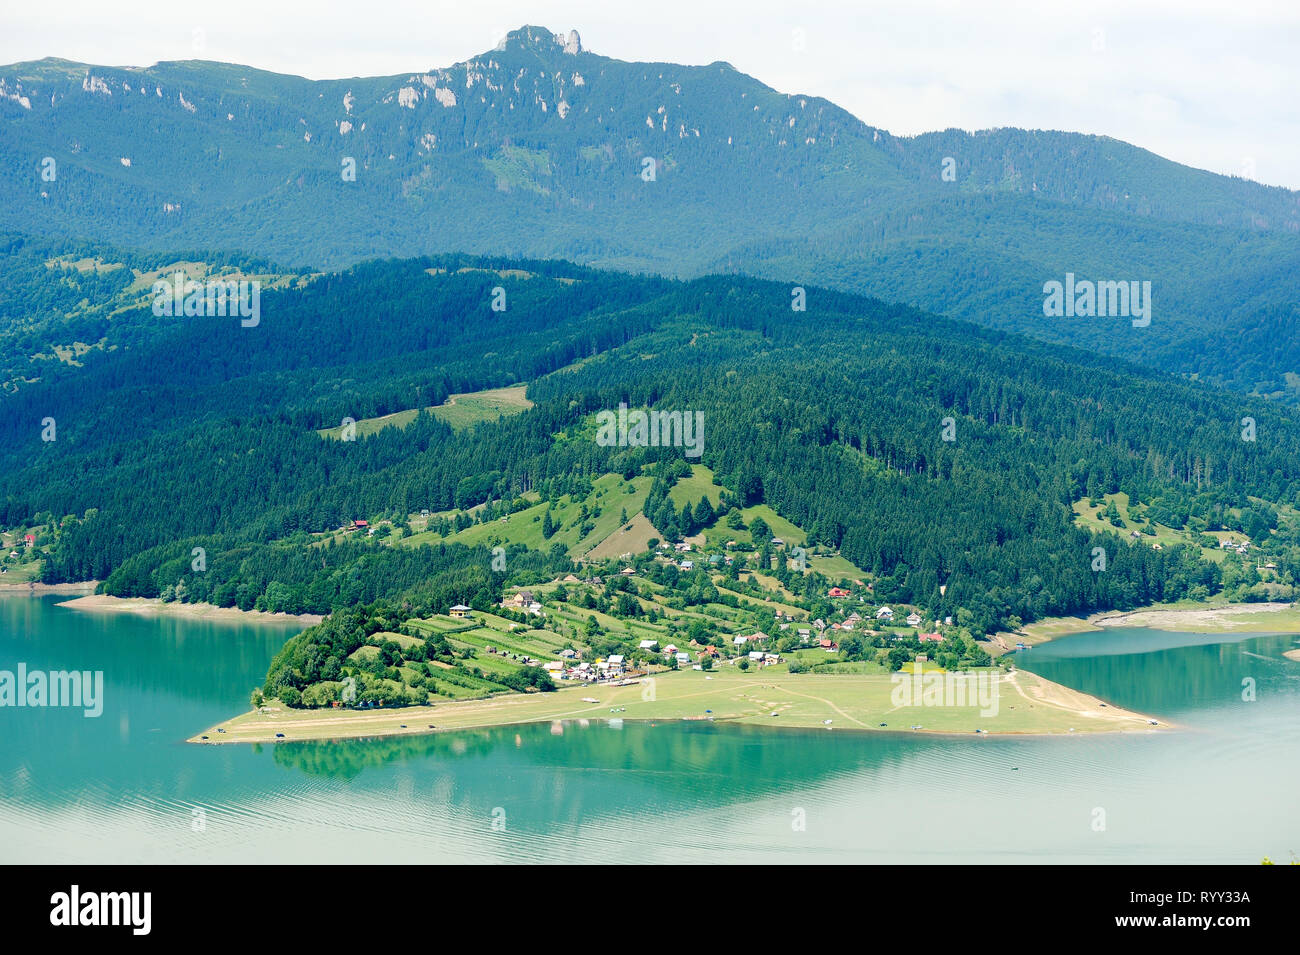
(124, 788)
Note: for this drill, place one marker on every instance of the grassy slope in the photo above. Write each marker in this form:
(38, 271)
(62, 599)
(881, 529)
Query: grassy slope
(459, 411)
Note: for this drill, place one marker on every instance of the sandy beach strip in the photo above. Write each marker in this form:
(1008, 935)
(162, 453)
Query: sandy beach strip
(102, 603)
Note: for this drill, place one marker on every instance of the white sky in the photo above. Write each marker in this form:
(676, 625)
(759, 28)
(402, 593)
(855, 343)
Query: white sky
(1211, 83)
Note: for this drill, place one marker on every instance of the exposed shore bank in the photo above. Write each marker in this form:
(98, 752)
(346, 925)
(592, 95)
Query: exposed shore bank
(1186, 617)
(84, 587)
(102, 603)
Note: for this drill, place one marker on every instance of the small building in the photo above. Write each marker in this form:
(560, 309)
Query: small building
(683, 657)
(739, 641)
(460, 611)
(759, 637)
(648, 644)
(688, 565)
(360, 524)
(884, 613)
(931, 638)
(913, 619)
(756, 654)
(837, 592)
(628, 571)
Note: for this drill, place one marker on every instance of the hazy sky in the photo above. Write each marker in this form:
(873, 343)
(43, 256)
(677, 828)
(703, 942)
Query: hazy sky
(1211, 84)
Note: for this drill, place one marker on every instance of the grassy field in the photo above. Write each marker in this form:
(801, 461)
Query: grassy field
(774, 697)
(1089, 517)
(459, 411)
(690, 489)
(610, 494)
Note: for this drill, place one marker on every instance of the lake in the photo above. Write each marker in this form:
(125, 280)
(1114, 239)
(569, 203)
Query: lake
(124, 788)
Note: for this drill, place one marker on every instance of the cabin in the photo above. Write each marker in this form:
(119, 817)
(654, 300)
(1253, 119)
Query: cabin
(460, 611)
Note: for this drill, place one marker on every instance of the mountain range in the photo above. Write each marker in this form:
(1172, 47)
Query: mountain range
(540, 148)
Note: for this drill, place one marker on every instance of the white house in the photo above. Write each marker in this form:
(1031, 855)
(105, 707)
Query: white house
(739, 641)
(884, 613)
(647, 645)
(913, 619)
(683, 657)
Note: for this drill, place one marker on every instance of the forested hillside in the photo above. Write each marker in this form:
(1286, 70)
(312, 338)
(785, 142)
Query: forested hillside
(198, 432)
(543, 149)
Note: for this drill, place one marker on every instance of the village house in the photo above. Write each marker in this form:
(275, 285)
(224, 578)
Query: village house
(688, 565)
(460, 611)
(837, 592)
(913, 619)
(884, 613)
(648, 644)
(518, 601)
(931, 637)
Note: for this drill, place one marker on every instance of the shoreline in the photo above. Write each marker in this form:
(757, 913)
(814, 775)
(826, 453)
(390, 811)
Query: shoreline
(853, 703)
(151, 606)
(34, 587)
(1274, 617)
